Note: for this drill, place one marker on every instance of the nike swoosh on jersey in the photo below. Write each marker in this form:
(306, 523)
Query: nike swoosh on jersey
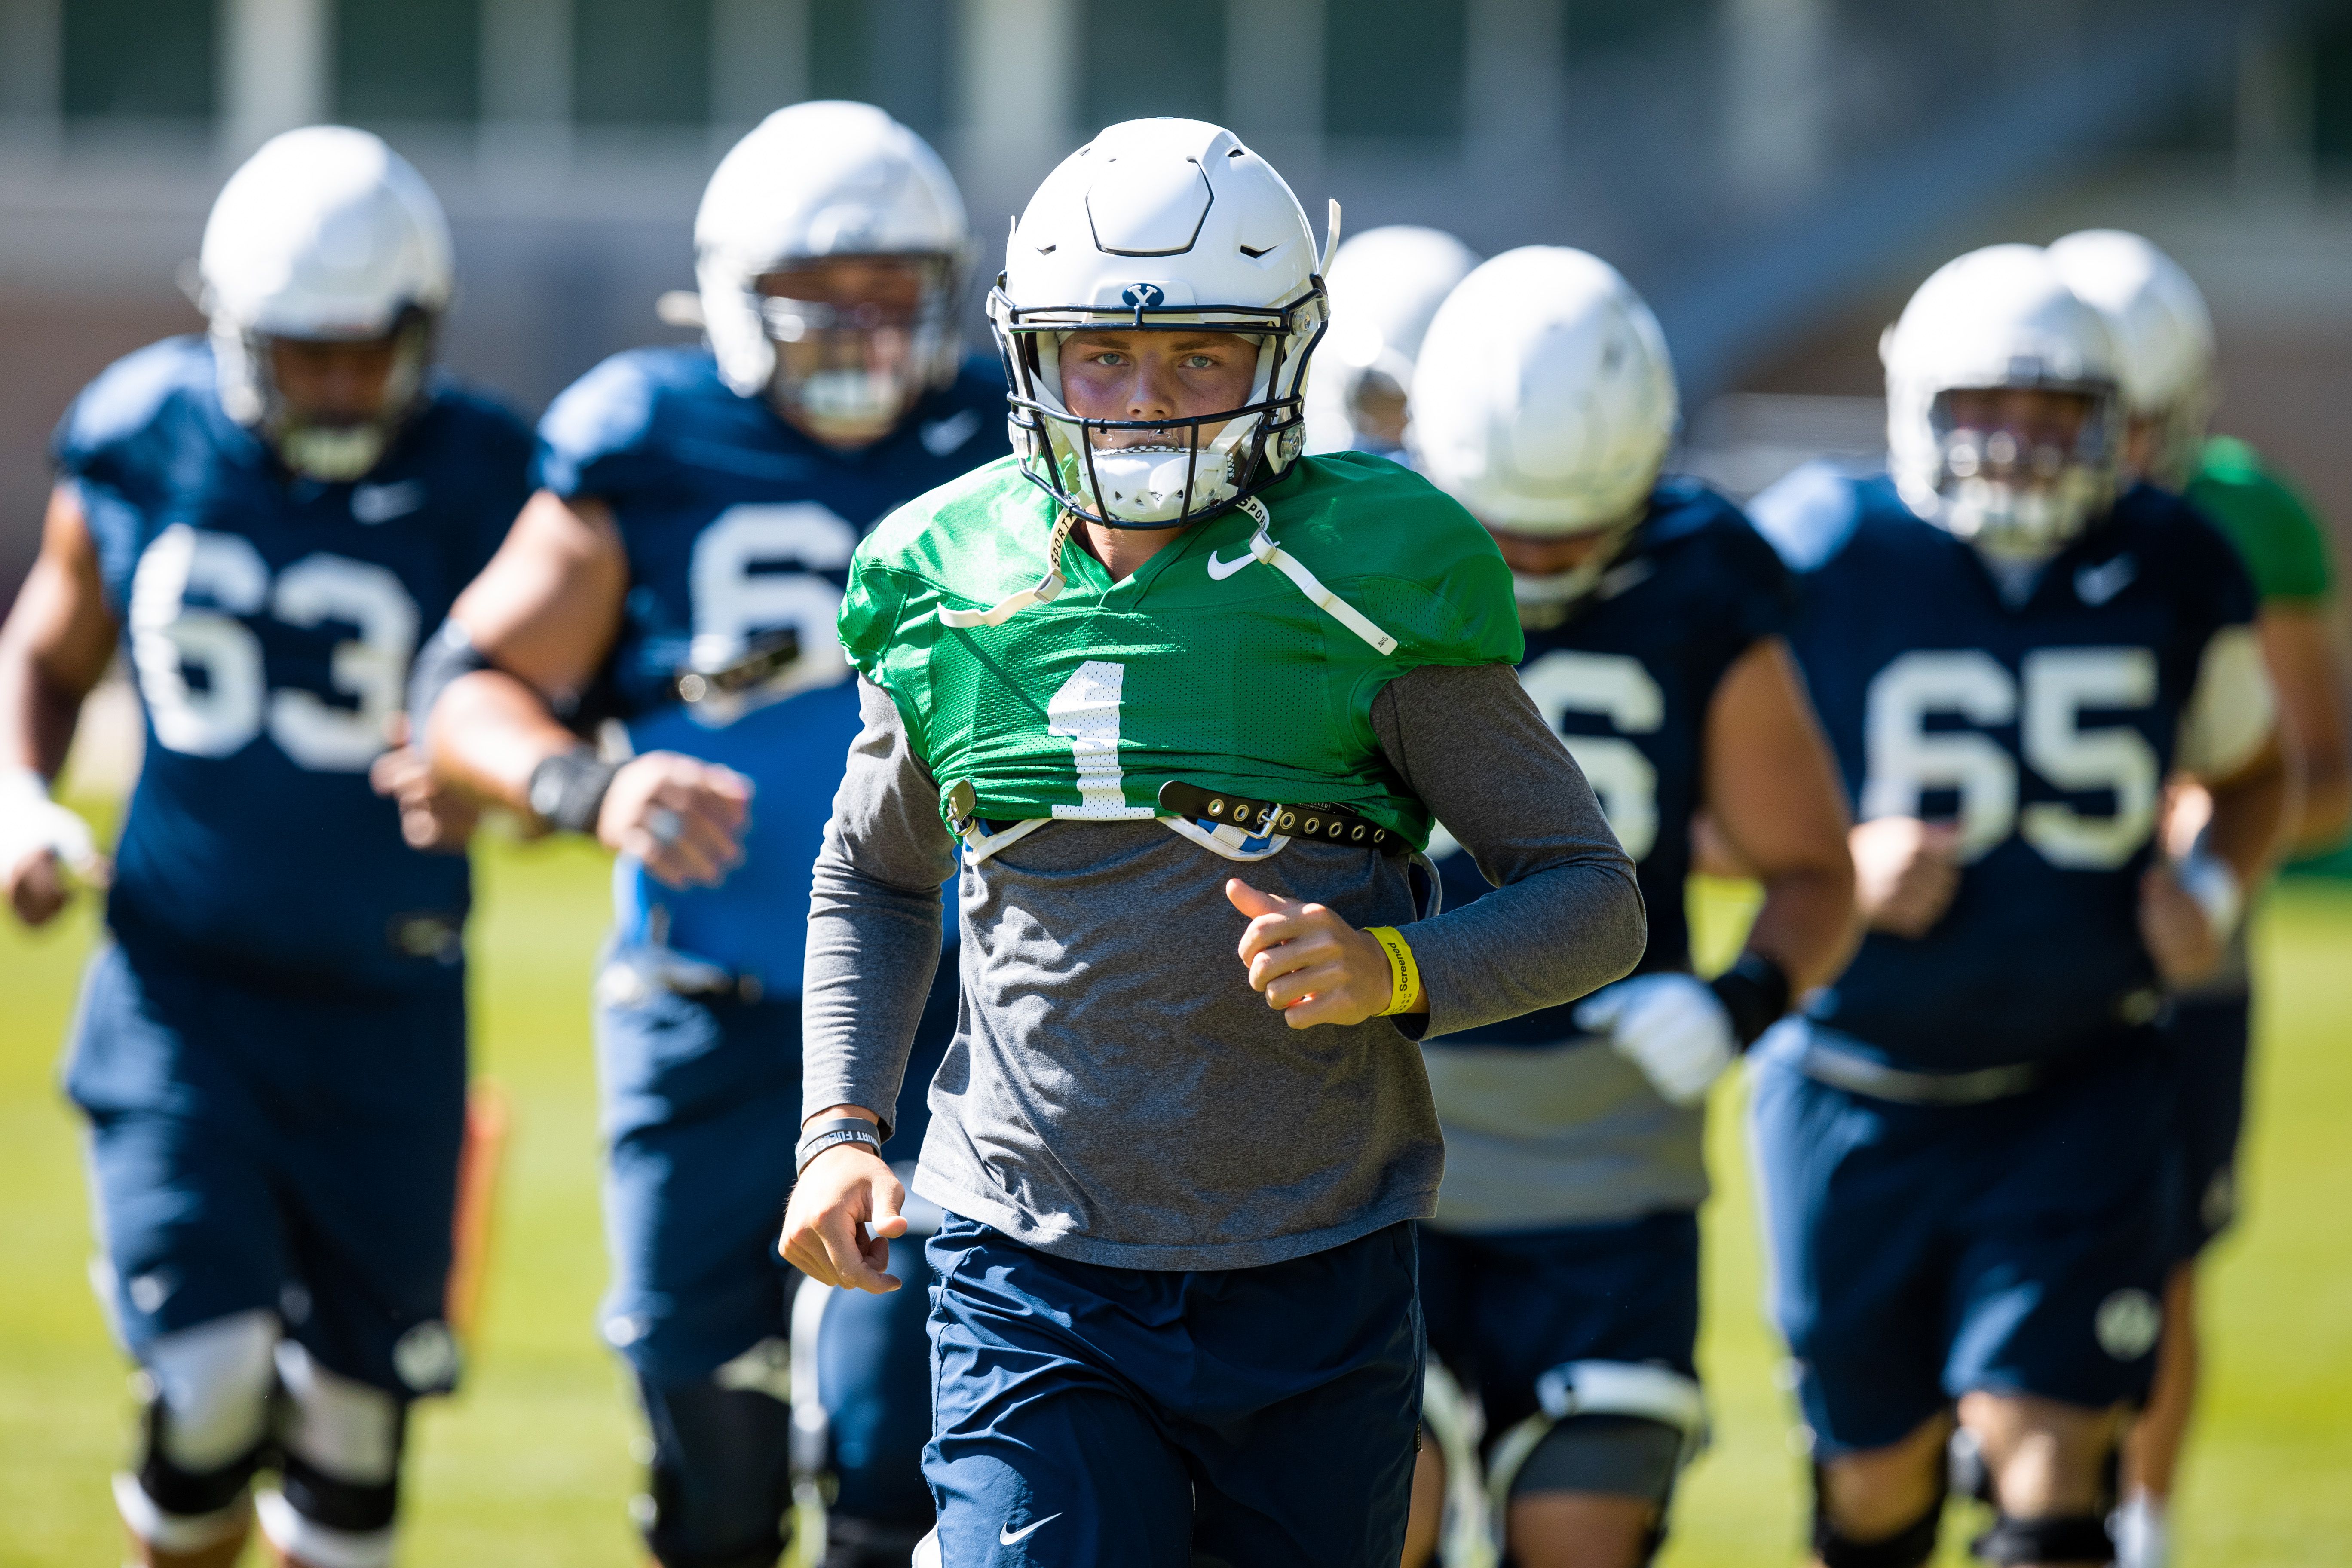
(1006, 1535)
(941, 436)
(1623, 577)
(382, 503)
(2095, 585)
(1221, 570)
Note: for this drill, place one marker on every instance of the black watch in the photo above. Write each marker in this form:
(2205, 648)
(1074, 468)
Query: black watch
(567, 790)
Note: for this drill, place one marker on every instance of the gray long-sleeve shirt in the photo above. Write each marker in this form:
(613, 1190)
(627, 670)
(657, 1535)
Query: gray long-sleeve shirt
(1115, 1092)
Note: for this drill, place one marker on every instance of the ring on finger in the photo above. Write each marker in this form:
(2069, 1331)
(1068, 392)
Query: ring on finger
(665, 824)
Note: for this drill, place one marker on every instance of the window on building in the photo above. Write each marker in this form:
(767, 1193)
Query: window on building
(893, 53)
(1394, 67)
(407, 60)
(146, 59)
(634, 63)
(2331, 90)
(1139, 61)
(1601, 25)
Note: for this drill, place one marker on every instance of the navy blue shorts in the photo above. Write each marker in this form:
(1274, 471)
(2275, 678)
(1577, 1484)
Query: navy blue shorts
(2211, 1034)
(264, 1147)
(1253, 1417)
(701, 1111)
(1504, 1309)
(1919, 1253)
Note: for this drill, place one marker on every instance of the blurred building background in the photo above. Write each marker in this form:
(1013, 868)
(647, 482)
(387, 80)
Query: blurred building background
(1774, 175)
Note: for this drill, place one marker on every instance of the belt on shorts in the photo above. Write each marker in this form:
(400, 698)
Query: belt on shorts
(1858, 1074)
(630, 975)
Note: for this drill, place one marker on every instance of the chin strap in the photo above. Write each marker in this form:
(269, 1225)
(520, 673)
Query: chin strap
(1263, 547)
(1048, 588)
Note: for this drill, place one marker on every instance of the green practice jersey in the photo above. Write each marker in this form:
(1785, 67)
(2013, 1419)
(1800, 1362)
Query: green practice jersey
(2282, 544)
(1210, 666)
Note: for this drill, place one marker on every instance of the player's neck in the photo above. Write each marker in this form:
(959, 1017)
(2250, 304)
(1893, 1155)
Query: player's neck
(1123, 551)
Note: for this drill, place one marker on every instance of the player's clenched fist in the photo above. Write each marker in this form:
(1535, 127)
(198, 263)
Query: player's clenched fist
(684, 819)
(2180, 931)
(1314, 967)
(39, 842)
(434, 814)
(843, 1216)
(1904, 873)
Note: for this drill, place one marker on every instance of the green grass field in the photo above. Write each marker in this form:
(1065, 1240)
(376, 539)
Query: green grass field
(530, 1467)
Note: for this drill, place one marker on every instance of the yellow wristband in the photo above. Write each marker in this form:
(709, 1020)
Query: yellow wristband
(1404, 975)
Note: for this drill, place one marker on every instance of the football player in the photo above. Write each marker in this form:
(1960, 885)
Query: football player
(1561, 1278)
(1963, 1148)
(680, 568)
(270, 1047)
(1177, 693)
(1385, 285)
(2164, 340)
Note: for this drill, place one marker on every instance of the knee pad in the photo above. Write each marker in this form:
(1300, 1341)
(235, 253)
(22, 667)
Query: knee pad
(720, 1481)
(1623, 1427)
(207, 1392)
(211, 1390)
(2061, 1538)
(1907, 1548)
(340, 1441)
(1622, 1455)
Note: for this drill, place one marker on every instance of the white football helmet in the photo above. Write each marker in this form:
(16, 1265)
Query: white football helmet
(2163, 335)
(824, 180)
(2001, 318)
(1543, 401)
(324, 234)
(1159, 226)
(1386, 284)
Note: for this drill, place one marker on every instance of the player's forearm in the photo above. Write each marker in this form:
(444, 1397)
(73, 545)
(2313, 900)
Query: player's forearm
(37, 715)
(1566, 915)
(2250, 815)
(1808, 924)
(486, 733)
(872, 951)
(2323, 817)
(874, 920)
(56, 643)
(2299, 646)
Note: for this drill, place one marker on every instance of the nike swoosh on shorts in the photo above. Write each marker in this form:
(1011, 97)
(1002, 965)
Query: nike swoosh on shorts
(1006, 1535)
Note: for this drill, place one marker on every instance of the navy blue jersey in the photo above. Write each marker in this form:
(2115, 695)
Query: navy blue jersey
(1626, 675)
(739, 531)
(2043, 728)
(270, 621)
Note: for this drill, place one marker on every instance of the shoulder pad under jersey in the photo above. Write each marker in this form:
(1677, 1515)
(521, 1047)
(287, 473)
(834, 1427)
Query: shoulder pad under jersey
(126, 397)
(614, 412)
(1810, 514)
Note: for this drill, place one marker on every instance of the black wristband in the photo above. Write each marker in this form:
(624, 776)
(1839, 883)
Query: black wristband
(833, 1131)
(1755, 992)
(567, 790)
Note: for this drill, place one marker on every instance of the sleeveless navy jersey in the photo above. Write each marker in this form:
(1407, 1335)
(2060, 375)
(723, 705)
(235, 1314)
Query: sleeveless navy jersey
(1626, 676)
(2043, 728)
(270, 622)
(738, 529)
